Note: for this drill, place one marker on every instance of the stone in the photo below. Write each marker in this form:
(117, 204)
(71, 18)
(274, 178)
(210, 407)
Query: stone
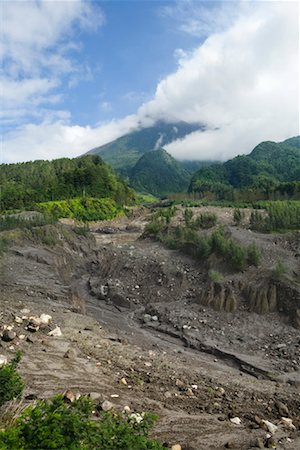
(287, 423)
(69, 396)
(123, 381)
(3, 360)
(56, 332)
(269, 426)
(18, 320)
(176, 447)
(236, 420)
(282, 408)
(107, 406)
(30, 339)
(33, 324)
(259, 443)
(126, 409)
(94, 396)
(45, 319)
(271, 442)
(8, 335)
(70, 353)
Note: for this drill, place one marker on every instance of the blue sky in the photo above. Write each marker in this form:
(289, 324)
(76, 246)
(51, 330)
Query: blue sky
(79, 73)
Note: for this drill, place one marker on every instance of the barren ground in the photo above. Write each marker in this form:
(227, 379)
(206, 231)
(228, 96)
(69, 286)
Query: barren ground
(194, 366)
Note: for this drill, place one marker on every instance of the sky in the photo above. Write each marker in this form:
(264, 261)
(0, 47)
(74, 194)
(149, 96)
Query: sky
(77, 74)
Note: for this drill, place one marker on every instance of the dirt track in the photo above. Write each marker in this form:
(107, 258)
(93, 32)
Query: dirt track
(191, 364)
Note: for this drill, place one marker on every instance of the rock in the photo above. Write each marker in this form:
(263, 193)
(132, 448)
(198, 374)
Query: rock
(56, 332)
(179, 383)
(126, 409)
(287, 423)
(107, 406)
(33, 324)
(167, 394)
(30, 339)
(70, 353)
(8, 335)
(176, 447)
(123, 381)
(259, 443)
(45, 319)
(236, 420)
(269, 426)
(154, 318)
(230, 444)
(282, 408)
(147, 318)
(69, 396)
(94, 396)
(271, 443)
(3, 360)
(18, 320)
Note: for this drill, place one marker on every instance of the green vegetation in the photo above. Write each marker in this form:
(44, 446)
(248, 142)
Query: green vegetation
(216, 276)
(11, 383)
(158, 173)
(238, 216)
(25, 184)
(205, 220)
(279, 271)
(270, 172)
(279, 216)
(82, 209)
(11, 222)
(53, 424)
(201, 247)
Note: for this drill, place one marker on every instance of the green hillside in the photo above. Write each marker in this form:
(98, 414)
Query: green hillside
(123, 153)
(25, 184)
(268, 165)
(158, 173)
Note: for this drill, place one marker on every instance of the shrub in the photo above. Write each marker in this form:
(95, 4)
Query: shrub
(53, 424)
(279, 271)
(253, 255)
(3, 245)
(11, 384)
(216, 277)
(238, 216)
(205, 220)
(187, 215)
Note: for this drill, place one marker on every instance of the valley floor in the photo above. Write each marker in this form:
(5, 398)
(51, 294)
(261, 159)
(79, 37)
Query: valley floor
(152, 344)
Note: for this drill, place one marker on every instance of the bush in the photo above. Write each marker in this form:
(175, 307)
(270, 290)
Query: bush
(279, 271)
(11, 383)
(81, 208)
(205, 220)
(238, 216)
(253, 255)
(53, 424)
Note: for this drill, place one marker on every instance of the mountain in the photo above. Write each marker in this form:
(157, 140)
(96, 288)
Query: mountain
(123, 153)
(268, 164)
(158, 173)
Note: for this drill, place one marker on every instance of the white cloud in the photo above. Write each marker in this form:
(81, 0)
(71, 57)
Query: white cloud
(242, 83)
(54, 140)
(35, 44)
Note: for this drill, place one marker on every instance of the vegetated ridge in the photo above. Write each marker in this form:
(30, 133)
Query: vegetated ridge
(25, 184)
(264, 169)
(159, 173)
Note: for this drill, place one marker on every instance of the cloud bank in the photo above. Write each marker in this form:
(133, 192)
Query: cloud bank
(242, 82)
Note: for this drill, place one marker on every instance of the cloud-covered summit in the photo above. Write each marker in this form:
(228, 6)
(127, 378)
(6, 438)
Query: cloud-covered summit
(241, 80)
